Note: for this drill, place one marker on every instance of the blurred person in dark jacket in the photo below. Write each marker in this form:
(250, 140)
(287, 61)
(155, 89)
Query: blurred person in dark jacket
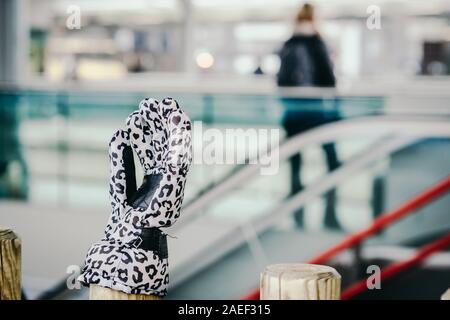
(305, 63)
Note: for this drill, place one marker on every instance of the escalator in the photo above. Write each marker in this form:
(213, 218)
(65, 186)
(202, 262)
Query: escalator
(236, 258)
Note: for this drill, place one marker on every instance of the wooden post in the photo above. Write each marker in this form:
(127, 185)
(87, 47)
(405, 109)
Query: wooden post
(300, 282)
(446, 295)
(10, 265)
(102, 293)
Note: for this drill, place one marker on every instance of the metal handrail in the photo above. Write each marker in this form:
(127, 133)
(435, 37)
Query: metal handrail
(271, 216)
(396, 268)
(430, 194)
(410, 129)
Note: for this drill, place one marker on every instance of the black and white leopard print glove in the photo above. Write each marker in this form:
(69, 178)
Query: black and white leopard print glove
(160, 135)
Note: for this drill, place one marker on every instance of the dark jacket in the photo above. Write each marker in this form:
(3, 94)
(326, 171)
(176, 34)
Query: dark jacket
(305, 62)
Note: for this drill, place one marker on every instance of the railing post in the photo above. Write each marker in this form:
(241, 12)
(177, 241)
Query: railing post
(10, 265)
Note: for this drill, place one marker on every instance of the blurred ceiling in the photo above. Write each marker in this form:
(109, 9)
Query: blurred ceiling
(152, 12)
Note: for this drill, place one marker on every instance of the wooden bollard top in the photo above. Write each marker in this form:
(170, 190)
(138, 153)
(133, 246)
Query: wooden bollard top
(10, 265)
(297, 281)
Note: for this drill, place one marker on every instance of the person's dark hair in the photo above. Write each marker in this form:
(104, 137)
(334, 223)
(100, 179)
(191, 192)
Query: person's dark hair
(306, 13)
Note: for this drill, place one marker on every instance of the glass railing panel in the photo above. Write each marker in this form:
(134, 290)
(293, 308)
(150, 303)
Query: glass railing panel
(64, 137)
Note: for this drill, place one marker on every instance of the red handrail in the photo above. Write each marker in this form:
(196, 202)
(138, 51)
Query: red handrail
(398, 267)
(425, 197)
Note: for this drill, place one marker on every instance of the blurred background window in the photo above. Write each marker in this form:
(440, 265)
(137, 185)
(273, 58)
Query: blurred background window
(117, 38)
